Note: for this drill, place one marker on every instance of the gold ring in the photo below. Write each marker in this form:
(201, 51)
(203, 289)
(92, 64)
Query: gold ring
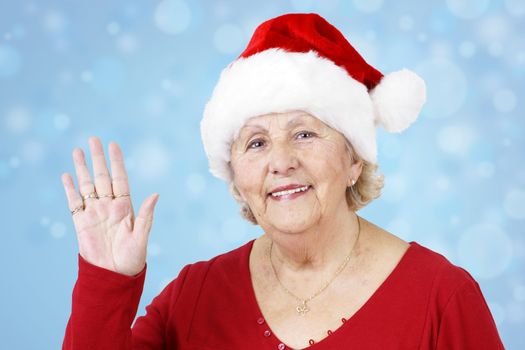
(106, 196)
(77, 209)
(122, 195)
(89, 195)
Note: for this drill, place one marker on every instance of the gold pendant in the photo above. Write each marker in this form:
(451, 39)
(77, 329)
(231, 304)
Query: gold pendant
(303, 308)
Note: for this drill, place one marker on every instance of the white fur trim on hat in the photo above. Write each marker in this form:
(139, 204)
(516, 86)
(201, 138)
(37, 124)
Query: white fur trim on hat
(274, 81)
(398, 99)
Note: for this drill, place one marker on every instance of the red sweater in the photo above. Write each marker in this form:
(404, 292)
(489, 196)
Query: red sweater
(425, 303)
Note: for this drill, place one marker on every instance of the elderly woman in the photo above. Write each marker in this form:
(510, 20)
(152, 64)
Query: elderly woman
(291, 128)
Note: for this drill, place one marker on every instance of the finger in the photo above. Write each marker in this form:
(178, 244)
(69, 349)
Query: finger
(100, 169)
(73, 198)
(119, 175)
(144, 219)
(85, 185)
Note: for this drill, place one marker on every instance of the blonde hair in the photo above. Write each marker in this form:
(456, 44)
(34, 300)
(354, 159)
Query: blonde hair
(367, 188)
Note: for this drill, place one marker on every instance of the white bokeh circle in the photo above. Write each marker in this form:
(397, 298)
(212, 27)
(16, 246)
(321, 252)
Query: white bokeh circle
(10, 61)
(446, 87)
(18, 120)
(195, 184)
(45, 221)
(127, 43)
(108, 75)
(395, 188)
(86, 76)
(456, 139)
(485, 250)
(467, 49)
(113, 28)
(406, 22)
(14, 162)
(468, 9)
(172, 16)
(33, 152)
(57, 229)
(513, 204)
(485, 169)
(228, 39)
(515, 8)
(61, 121)
(154, 105)
(504, 100)
(519, 293)
(368, 6)
(54, 21)
(153, 158)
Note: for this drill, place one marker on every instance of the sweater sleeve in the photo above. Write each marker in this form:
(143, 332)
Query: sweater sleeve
(104, 305)
(150, 330)
(467, 322)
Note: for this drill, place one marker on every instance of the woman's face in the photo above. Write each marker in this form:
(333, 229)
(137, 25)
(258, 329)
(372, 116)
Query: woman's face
(298, 150)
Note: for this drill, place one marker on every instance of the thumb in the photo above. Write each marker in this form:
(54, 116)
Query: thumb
(144, 219)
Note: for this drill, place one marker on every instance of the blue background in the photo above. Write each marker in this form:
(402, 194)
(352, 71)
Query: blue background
(140, 72)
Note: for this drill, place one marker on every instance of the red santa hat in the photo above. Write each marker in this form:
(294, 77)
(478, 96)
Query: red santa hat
(302, 62)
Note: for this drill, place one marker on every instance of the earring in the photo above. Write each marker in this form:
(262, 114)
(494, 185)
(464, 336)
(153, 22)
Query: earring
(353, 182)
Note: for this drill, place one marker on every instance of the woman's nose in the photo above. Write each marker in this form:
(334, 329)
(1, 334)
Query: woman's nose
(283, 159)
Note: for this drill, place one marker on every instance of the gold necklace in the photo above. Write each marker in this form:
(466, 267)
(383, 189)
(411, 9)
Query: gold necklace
(303, 308)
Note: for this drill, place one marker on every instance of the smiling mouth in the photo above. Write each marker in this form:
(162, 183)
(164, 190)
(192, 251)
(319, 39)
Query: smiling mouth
(290, 192)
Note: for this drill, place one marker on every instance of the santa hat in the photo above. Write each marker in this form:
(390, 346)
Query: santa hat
(302, 62)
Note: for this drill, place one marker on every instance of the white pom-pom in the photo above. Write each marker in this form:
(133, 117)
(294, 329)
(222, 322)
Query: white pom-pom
(398, 99)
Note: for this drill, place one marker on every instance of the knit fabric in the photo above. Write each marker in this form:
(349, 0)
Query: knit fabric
(425, 303)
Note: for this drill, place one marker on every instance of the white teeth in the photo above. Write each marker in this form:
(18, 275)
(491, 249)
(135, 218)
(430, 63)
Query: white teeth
(282, 193)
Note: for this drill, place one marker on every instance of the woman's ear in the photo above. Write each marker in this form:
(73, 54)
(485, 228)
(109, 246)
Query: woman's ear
(355, 165)
(355, 171)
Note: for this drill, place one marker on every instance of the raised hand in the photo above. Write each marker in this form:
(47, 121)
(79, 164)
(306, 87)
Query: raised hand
(109, 235)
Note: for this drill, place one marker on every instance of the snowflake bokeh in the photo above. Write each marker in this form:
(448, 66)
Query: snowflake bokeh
(140, 73)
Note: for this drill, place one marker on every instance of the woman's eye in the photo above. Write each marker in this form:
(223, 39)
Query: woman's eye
(255, 144)
(305, 134)
(259, 143)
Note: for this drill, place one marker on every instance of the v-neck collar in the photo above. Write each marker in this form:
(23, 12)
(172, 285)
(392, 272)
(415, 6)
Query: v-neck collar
(326, 341)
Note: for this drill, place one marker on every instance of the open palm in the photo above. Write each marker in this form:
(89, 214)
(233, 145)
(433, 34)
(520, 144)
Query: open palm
(109, 235)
